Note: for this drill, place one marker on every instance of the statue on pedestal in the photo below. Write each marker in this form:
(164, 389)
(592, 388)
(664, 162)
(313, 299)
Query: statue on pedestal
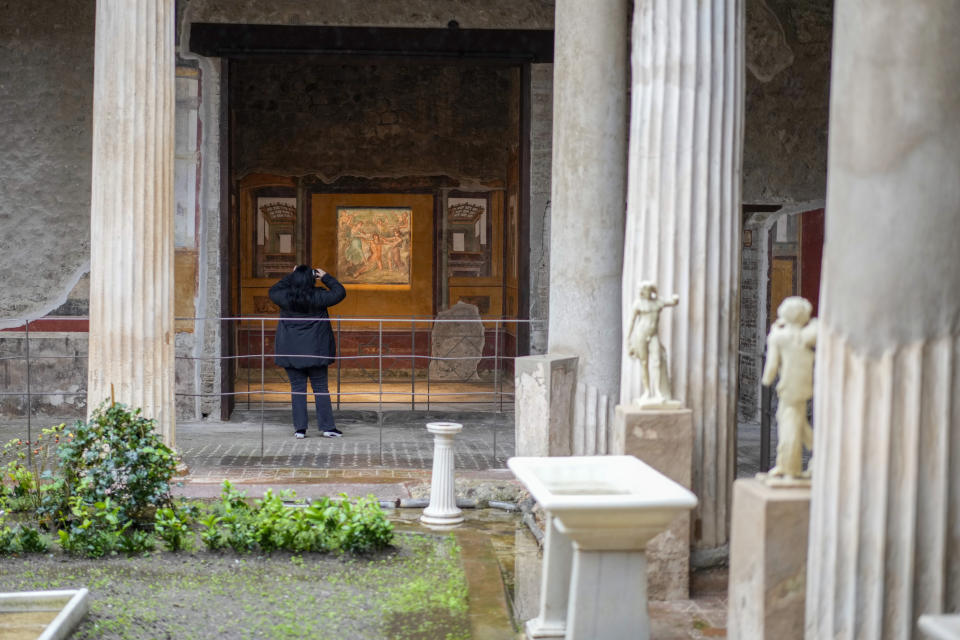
(643, 343)
(790, 350)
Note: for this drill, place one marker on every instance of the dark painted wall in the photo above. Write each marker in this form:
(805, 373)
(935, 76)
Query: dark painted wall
(374, 119)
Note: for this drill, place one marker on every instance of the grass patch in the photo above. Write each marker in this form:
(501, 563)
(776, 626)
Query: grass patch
(416, 591)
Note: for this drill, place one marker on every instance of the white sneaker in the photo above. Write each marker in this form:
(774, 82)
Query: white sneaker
(300, 435)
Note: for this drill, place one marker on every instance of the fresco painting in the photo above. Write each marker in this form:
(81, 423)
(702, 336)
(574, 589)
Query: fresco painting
(373, 245)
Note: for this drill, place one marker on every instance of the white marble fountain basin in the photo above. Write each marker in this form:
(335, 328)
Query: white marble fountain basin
(604, 502)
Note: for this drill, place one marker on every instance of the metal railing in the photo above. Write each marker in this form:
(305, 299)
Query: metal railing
(252, 359)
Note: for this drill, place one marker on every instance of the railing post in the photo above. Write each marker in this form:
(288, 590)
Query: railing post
(339, 361)
(496, 365)
(413, 365)
(26, 333)
(263, 390)
(380, 386)
(429, 362)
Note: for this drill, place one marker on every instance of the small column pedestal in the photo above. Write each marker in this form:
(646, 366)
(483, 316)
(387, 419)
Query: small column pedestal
(768, 561)
(664, 440)
(442, 510)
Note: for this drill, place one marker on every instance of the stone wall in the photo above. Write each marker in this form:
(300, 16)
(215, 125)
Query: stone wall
(787, 100)
(46, 102)
(541, 152)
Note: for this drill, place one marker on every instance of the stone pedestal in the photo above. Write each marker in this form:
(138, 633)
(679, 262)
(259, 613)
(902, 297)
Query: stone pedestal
(608, 507)
(683, 221)
(131, 210)
(442, 510)
(544, 404)
(768, 561)
(664, 440)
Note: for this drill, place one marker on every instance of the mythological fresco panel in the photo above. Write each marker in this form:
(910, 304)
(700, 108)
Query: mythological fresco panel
(374, 245)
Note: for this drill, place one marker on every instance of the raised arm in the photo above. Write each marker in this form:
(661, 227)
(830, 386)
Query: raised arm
(330, 296)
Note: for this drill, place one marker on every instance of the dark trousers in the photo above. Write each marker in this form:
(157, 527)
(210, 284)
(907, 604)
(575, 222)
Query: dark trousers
(321, 395)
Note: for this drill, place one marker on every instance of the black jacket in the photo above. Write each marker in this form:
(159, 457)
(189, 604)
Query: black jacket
(297, 339)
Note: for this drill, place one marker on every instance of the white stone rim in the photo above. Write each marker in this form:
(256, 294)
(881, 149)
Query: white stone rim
(444, 427)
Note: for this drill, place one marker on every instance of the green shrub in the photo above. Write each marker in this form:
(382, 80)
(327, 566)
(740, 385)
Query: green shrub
(118, 454)
(30, 482)
(136, 541)
(213, 535)
(8, 539)
(31, 540)
(95, 530)
(271, 524)
(173, 527)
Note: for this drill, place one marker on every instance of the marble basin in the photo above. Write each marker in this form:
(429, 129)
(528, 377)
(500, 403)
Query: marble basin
(604, 502)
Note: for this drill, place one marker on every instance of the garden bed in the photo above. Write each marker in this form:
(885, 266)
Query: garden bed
(414, 590)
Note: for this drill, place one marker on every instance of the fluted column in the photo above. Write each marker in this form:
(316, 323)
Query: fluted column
(884, 531)
(131, 217)
(588, 203)
(683, 221)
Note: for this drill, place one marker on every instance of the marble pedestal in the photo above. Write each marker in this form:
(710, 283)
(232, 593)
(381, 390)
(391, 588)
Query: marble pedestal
(768, 560)
(442, 510)
(545, 387)
(663, 440)
(609, 508)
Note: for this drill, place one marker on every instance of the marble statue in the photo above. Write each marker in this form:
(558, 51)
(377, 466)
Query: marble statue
(790, 348)
(643, 343)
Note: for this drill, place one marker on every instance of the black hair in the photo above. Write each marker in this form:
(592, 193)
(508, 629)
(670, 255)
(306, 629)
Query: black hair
(301, 282)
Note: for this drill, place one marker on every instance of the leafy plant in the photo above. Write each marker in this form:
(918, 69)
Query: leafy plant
(31, 484)
(8, 539)
(31, 540)
(96, 529)
(118, 454)
(213, 535)
(136, 541)
(173, 527)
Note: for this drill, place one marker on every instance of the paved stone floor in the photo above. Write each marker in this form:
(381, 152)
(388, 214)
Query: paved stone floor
(395, 438)
(390, 439)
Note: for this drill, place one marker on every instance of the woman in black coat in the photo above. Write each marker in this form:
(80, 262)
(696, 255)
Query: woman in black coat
(305, 344)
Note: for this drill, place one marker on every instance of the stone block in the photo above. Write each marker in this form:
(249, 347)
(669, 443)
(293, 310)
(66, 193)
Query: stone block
(458, 342)
(545, 388)
(768, 561)
(664, 440)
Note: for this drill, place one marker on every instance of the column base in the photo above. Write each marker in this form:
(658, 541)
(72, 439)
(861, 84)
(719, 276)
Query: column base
(768, 561)
(537, 628)
(664, 440)
(443, 520)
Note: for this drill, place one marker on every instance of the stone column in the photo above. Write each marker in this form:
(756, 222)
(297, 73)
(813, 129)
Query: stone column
(884, 532)
(588, 203)
(683, 221)
(131, 213)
